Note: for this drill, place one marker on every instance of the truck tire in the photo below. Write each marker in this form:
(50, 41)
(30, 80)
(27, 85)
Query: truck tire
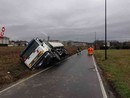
(57, 57)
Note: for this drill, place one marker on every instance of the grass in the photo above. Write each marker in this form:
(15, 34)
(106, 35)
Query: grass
(116, 70)
(73, 49)
(11, 67)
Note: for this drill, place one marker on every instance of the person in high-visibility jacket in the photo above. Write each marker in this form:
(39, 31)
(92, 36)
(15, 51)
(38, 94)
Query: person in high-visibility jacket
(90, 51)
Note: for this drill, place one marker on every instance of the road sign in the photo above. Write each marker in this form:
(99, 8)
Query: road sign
(2, 32)
(3, 29)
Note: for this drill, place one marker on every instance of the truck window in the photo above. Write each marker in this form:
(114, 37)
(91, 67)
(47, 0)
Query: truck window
(30, 48)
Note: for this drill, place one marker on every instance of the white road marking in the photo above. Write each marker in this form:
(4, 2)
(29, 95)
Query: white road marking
(24, 80)
(99, 77)
(30, 77)
(100, 80)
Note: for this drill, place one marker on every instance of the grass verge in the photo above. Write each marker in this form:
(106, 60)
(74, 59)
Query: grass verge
(11, 68)
(116, 70)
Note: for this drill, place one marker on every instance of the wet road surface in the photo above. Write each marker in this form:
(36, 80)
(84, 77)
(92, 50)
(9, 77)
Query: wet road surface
(73, 78)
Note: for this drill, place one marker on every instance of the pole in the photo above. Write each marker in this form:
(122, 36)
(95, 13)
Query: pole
(105, 29)
(95, 41)
(48, 38)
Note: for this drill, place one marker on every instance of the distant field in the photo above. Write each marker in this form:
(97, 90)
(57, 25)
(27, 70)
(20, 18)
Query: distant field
(116, 69)
(12, 69)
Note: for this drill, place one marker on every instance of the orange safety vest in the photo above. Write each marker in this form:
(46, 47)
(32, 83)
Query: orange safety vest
(90, 50)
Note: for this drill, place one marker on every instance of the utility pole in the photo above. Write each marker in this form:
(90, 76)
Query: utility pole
(105, 29)
(48, 38)
(95, 41)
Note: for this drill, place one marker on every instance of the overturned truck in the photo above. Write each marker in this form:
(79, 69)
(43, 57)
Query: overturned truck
(40, 53)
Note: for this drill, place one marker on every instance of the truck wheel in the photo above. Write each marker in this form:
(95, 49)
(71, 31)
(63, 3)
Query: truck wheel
(57, 56)
(40, 64)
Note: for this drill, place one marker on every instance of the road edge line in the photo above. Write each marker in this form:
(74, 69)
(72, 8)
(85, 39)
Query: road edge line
(24, 80)
(100, 80)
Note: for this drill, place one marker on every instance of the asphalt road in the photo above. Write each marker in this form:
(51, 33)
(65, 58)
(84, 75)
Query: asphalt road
(75, 77)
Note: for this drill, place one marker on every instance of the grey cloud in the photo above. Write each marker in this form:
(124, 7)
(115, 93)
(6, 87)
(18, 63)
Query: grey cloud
(64, 19)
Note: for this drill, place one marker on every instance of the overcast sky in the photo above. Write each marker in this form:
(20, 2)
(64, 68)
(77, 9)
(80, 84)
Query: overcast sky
(65, 19)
